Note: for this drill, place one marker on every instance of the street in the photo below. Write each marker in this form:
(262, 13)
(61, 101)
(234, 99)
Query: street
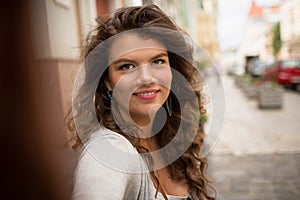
(258, 153)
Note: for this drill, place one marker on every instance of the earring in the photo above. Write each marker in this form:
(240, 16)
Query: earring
(169, 105)
(109, 95)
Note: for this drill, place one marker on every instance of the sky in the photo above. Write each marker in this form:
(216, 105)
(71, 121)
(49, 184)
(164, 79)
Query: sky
(232, 15)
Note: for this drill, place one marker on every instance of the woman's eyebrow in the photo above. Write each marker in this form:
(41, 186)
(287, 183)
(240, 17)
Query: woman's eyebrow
(160, 55)
(121, 60)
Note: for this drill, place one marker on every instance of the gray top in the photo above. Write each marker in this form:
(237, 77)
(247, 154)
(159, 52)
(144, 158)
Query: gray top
(109, 167)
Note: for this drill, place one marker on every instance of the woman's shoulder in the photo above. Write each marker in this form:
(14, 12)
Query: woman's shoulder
(111, 139)
(108, 161)
(112, 150)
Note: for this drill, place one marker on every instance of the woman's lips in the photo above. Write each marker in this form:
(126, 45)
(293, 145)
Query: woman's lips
(146, 94)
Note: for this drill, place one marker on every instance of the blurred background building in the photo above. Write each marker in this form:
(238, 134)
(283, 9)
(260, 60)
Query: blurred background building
(290, 29)
(260, 26)
(199, 19)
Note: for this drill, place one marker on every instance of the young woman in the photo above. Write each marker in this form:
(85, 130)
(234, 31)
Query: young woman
(136, 111)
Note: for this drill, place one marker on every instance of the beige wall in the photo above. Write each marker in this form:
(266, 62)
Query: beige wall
(87, 14)
(290, 30)
(206, 29)
(55, 30)
(67, 71)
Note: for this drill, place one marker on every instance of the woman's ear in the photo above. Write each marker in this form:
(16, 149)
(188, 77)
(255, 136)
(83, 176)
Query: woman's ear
(108, 85)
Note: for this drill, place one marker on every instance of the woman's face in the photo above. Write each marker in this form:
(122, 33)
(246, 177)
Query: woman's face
(139, 75)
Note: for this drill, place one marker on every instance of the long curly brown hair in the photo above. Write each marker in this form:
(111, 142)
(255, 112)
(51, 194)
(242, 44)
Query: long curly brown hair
(189, 167)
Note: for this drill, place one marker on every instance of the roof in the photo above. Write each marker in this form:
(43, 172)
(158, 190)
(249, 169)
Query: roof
(255, 10)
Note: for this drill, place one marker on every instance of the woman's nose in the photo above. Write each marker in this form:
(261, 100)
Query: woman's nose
(145, 75)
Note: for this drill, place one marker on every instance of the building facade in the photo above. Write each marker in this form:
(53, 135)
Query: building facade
(290, 30)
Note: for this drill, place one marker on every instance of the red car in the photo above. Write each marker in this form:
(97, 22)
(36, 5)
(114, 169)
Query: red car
(285, 72)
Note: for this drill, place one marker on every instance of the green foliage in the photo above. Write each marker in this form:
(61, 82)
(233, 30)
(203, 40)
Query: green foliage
(203, 118)
(276, 42)
(201, 66)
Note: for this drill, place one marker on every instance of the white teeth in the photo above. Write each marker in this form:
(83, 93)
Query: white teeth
(146, 94)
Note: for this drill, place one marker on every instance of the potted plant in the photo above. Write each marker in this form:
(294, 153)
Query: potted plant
(252, 88)
(270, 95)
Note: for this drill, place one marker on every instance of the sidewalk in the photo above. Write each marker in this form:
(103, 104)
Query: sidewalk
(258, 154)
(269, 177)
(248, 130)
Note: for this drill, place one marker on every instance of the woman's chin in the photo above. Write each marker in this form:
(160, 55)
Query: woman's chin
(147, 116)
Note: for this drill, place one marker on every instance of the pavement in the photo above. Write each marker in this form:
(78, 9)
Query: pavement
(256, 177)
(258, 153)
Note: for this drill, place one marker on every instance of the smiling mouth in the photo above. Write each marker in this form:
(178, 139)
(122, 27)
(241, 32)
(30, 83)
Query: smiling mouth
(145, 94)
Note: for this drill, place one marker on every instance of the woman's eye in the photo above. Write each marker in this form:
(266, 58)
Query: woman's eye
(126, 67)
(159, 62)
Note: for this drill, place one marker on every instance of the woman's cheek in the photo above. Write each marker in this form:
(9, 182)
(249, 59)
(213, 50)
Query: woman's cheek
(163, 76)
(123, 89)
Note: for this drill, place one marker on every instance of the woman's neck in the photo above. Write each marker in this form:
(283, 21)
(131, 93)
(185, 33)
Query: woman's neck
(150, 143)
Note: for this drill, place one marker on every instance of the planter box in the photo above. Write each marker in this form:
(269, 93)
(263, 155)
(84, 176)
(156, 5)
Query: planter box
(251, 90)
(238, 81)
(270, 97)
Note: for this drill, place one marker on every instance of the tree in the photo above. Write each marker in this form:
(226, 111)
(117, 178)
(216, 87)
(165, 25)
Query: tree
(276, 42)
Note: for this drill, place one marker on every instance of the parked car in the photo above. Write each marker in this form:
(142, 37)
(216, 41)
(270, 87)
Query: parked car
(284, 72)
(259, 67)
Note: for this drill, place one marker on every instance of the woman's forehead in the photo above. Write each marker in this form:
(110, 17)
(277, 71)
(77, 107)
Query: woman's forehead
(132, 42)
